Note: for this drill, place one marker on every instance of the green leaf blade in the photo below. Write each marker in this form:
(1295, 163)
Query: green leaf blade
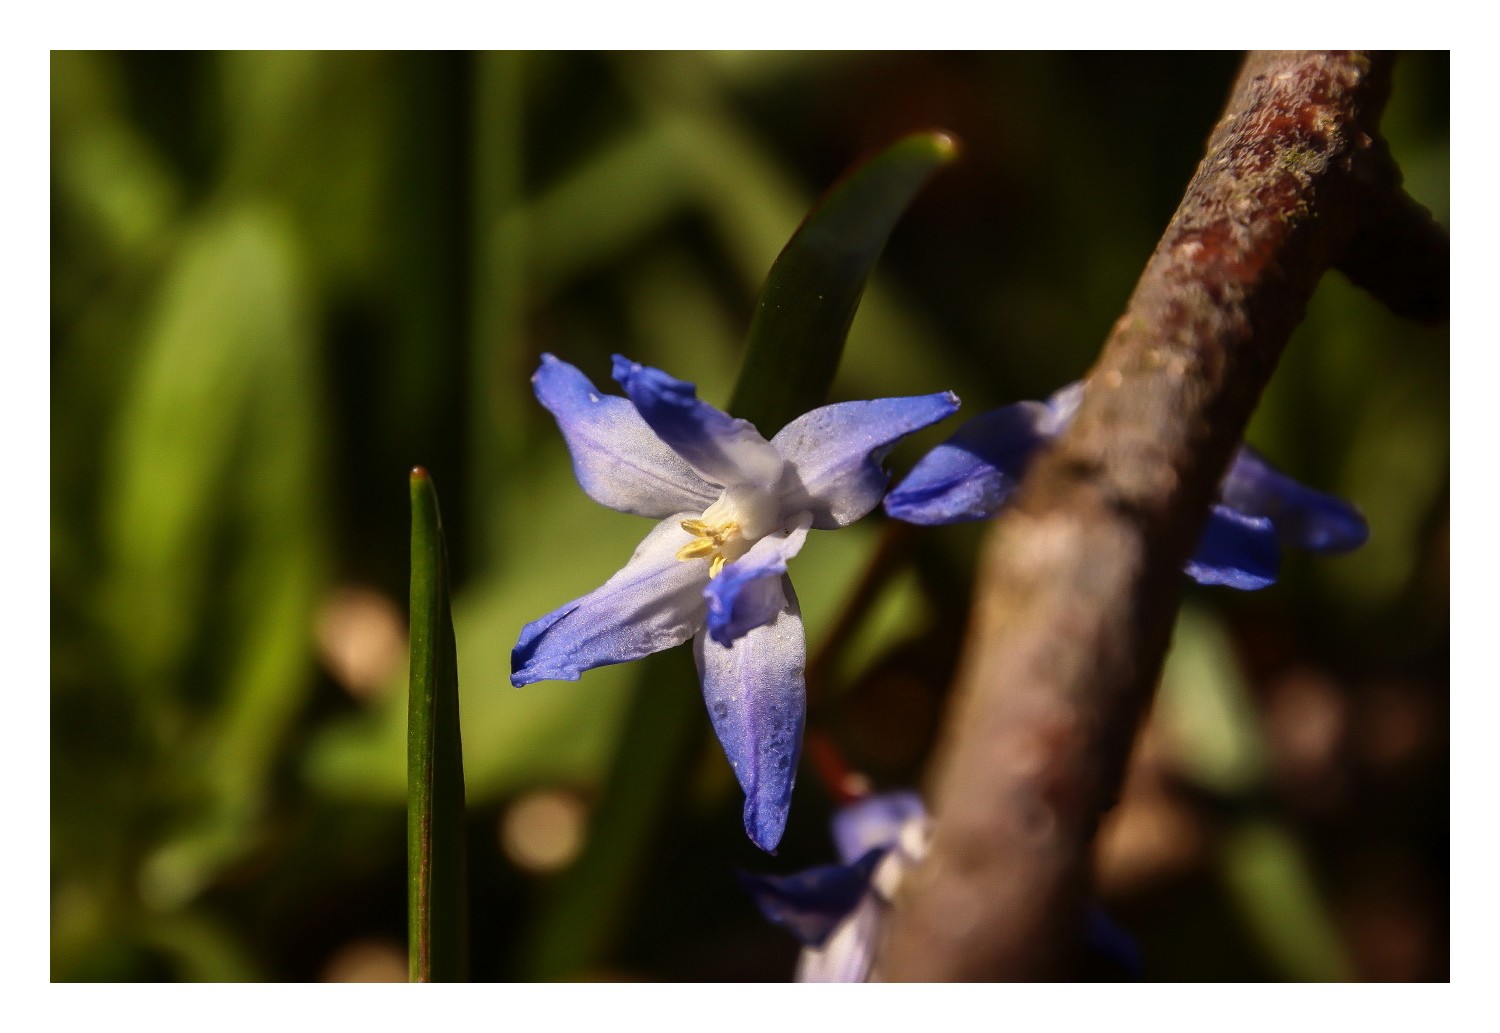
(809, 299)
(435, 853)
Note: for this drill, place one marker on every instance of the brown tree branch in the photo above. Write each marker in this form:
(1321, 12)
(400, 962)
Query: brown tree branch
(1081, 578)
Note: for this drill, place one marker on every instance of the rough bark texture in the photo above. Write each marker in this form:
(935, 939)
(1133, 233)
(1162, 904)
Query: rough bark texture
(1081, 577)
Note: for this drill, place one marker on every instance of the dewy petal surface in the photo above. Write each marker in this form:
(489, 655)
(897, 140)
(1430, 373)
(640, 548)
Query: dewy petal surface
(836, 451)
(722, 449)
(747, 593)
(975, 472)
(1304, 517)
(757, 703)
(618, 460)
(653, 603)
(1235, 550)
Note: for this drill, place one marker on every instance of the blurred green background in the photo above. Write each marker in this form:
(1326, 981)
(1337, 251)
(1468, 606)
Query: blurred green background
(279, 280)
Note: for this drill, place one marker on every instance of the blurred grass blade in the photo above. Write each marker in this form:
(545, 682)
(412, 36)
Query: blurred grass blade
(810, 297)
(1270, 878)
(792, 354)
(436, 894)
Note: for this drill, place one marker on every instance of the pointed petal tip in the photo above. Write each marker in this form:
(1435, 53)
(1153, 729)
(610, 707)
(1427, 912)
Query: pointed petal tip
(545, 360)
(522, 671)
(719, 628)
(522, 668)
(1339, 527)
(530, 673)
(622, 369)
(764, 830)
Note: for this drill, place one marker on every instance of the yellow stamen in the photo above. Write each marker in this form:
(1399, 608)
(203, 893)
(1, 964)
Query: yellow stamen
(707, 541)
(697, 548)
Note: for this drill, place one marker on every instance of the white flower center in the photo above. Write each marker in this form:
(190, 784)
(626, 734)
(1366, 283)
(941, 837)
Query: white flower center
(742, 516)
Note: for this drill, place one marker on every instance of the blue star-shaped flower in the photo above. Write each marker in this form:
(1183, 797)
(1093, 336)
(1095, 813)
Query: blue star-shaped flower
(973, 475)
(733, 508)
(837, 910)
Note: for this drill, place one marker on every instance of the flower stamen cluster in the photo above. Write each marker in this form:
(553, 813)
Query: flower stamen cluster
(722, 543)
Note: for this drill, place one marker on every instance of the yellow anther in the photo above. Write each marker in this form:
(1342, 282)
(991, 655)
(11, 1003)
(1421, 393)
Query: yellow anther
(707, 541)
(697, 548)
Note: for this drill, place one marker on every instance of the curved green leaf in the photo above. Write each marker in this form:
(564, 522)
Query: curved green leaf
(810, 297)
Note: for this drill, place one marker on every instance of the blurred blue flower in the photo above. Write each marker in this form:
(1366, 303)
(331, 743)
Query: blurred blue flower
(973, 475)
(837, 910)
(733, 508)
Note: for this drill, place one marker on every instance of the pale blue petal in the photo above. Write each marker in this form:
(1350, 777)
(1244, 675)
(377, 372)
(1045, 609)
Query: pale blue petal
(617, 458)
(654, 603)
(975, 472)
(747, 592)
(1235, 550)
(722, 449)
(836, 451)
(874, 822)
(1062, 406)
(849, 954)
(757, 701)
(1303, 517)
(810, 904)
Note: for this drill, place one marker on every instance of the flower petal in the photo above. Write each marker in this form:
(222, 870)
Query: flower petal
(1062, 406)
(1236, 550)
(836, 450)
(972, 474)
(1303, 517)
(810, 904)
(757, 700)
(849, 954)
(747, 592)
(653, 603)
(719, 447)
(874, 821)
(617, 458)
